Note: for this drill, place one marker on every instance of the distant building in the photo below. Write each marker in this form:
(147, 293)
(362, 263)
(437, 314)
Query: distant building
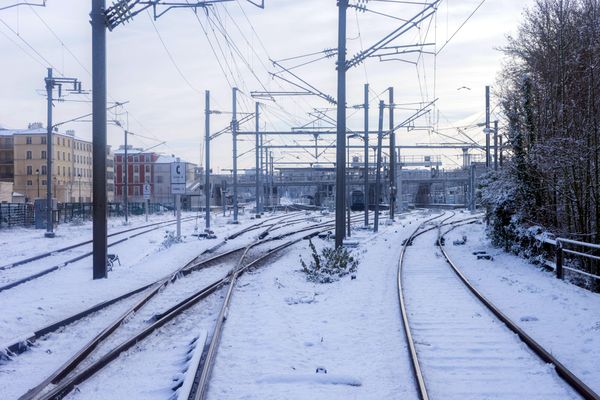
(140, 171)
(23, 161)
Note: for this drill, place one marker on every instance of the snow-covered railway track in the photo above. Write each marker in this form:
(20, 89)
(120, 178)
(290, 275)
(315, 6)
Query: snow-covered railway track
(42, 271)
(460, 347)
(86, 362)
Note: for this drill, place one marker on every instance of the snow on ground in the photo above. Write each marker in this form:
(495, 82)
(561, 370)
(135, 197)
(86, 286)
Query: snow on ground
(280, 329)
(562, 317)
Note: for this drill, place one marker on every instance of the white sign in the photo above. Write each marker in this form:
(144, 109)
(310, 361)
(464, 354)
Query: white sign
(147, 191)
(178, 173)
(178, 188)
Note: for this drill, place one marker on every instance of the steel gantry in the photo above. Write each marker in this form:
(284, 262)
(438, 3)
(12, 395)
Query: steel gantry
(103, 18)
(73, 86)
(342, 66)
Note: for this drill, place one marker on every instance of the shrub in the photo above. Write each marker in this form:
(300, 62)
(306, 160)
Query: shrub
(329, 266)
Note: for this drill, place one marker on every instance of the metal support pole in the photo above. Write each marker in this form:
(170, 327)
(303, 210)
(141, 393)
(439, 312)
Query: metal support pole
(496, 145)
(392, 156)
(256, 113)
(472, 187)
(235, 171)
(487, 127)
(178, 208)
(49, 219)
(99, 138)
(268, 181)
(126, 179)
(272, 173)
(207, 161)
(147, 208)
(378, 168)
(559, 260)
(262, 175)
(501, 152)
(366, 143)
(340, 166)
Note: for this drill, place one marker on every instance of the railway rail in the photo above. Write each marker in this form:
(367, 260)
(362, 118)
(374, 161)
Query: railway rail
(60, 265)
(458, 340)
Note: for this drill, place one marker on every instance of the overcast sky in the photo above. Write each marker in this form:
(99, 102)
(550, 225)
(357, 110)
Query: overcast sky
(165, 84)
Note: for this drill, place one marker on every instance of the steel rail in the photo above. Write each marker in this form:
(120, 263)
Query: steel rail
(63, 264)
(416, 367)
(73, 246)
(569, 377)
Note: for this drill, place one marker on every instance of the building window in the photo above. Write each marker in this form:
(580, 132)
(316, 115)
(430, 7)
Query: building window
(64, 171)
(69, 156)
(29, 170)
(64, 158)
(43, 170)
(43, 154)
(28, 140)
(28, 155)
(136, 190)
(148, 158)
(58, 169)
(136, 169)
(43, 139)
(43, 183)
(136, 159)
(58, 155)
(147, 169)
(63, 141)
(69, 170)
(29, 183)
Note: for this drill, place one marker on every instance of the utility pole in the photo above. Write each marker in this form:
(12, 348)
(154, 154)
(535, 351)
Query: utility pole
(235, 172)
(262, 175)
(126, 178)
(501, 152)
(49, 219)
(256, 116)
(340, 188)
(378, 170)
(366, 143)
(496, 145)
(271, 191)
(487, 127)
(392, 156)
(100, 228)
(207, 161)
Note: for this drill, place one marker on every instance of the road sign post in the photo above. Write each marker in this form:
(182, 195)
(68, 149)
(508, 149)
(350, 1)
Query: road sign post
(178, 181)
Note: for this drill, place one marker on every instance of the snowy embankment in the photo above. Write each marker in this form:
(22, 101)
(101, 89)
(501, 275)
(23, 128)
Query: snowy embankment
(562, 317)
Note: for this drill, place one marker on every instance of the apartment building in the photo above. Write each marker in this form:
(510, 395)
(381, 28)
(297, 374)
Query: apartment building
(140, 166)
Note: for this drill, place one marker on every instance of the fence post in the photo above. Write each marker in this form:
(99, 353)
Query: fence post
(559, 260)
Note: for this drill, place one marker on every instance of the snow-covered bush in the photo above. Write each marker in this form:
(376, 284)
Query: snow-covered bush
(170, 239)
(329, 266)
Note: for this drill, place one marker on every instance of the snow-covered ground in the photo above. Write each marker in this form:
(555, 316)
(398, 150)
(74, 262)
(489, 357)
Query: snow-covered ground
(280, 329)
(282, 332)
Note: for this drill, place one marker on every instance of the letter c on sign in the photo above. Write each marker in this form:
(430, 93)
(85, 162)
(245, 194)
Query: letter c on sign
(178, 169)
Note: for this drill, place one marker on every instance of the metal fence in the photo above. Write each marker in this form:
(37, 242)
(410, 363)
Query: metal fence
(19, 214)
(16, 214)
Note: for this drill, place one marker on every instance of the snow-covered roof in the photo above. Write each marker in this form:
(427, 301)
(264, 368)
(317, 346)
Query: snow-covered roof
(168, 159)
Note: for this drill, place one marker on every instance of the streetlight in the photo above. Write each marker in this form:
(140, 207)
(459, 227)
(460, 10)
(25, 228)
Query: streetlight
(79, 176)
(37, 172)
